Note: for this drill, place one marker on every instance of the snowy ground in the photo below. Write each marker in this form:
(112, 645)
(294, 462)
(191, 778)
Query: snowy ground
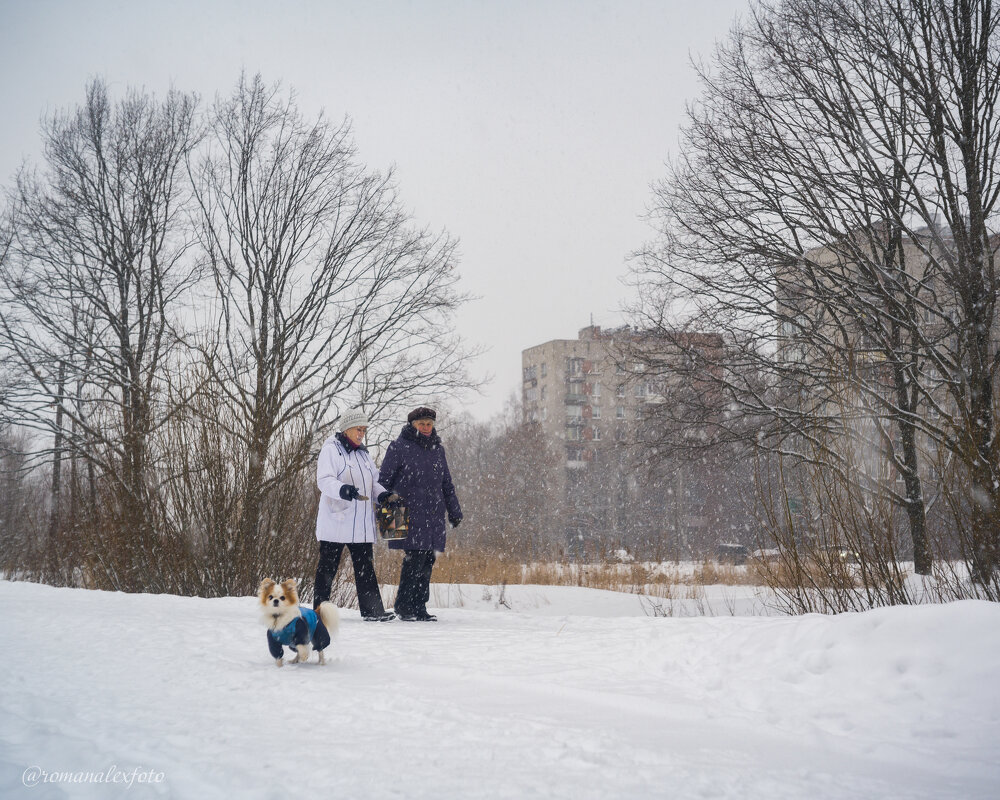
(560, 601)
(571, 693)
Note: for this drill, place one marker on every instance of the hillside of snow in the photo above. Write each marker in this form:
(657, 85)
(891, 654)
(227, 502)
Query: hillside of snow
(568, 693)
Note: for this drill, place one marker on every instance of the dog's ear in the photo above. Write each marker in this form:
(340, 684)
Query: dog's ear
(290, 592)
(265, 587)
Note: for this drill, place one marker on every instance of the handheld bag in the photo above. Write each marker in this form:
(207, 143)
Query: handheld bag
(393, 520)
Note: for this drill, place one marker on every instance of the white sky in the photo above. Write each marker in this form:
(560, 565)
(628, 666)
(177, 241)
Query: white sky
(531, 130)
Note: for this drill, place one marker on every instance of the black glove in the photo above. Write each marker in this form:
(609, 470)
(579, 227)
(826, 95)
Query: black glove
(454, 520)
(390, 500)
(349, 492)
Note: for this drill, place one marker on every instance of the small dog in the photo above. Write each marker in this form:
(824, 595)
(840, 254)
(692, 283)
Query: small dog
(291, 625)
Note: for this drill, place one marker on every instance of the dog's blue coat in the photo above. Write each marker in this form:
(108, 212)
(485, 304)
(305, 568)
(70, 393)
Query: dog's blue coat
(304, 629)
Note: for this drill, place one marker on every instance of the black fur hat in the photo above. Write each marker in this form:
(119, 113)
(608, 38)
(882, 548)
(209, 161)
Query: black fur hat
(421, 413)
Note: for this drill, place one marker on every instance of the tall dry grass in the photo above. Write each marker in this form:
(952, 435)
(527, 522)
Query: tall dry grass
(655, 579)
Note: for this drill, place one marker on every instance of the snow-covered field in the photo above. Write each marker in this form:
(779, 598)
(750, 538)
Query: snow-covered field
(569, 693)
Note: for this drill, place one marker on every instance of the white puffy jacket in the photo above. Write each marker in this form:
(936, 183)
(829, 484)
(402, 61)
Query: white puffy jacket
(340, 520)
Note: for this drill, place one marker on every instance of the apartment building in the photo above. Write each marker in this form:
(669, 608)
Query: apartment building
(840, 338)
(589, 399)
(578, 393)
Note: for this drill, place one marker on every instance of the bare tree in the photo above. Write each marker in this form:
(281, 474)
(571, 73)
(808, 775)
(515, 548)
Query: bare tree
(506, 473)
(685, 454)
(22, 551)
(830, 214)
(326, 292)
(90, 293)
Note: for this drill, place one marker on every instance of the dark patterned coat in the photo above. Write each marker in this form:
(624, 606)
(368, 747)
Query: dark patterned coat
(416, 469)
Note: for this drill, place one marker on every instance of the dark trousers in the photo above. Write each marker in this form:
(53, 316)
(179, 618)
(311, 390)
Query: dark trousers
(369, 597)
(415, 581)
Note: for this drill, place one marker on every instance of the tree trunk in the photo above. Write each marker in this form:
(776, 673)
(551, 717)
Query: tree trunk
(57, 455)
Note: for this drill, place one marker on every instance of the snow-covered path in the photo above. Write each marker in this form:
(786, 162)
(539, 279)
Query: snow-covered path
(897, 703)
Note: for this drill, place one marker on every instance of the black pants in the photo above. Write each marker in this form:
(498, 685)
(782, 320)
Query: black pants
(415, 581)
(369, 597)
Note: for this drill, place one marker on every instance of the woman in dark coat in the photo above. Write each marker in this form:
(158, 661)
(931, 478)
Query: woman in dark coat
(415, 468)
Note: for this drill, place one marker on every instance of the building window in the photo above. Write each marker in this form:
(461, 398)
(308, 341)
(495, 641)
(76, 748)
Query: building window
(574, 366)
(597, 434)
(544, 393)
(621, 390)
(596, 412)
(573, 434)
(545, 369)
(531, 395)
(640, 389)
(595, 390)
(620, 412)
(574, 413)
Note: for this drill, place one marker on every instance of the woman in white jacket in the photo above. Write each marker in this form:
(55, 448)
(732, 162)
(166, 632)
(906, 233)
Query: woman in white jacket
(347, 478)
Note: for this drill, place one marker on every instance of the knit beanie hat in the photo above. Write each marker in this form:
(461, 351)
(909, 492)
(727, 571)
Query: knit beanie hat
(353, 418)
(421, 413)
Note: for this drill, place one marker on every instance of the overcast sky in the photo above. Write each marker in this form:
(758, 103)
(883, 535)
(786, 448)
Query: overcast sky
(529, 130)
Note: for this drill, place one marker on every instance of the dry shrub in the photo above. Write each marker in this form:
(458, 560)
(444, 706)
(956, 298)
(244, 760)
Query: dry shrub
(812, 573)
(710, 573)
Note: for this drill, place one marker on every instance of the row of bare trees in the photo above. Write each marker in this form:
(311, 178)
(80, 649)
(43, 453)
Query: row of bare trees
(509, 479)
(832, 213)
(188, 298)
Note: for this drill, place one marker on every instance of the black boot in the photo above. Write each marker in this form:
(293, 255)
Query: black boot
(385, 616)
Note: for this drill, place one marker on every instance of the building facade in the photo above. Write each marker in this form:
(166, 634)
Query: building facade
(590, 400)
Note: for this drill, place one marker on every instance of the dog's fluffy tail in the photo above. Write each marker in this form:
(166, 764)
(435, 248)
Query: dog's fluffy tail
(331, 617)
